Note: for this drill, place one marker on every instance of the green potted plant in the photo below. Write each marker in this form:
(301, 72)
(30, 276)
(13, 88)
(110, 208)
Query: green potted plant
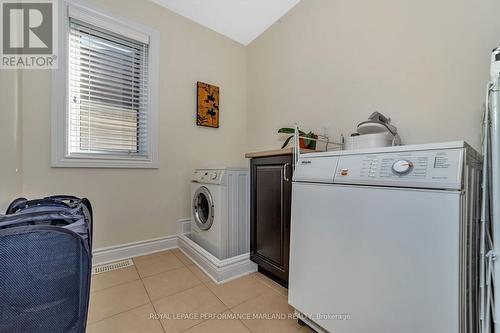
(304, 143)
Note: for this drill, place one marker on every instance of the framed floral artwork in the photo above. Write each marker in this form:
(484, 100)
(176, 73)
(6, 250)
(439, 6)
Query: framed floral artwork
(207, 112)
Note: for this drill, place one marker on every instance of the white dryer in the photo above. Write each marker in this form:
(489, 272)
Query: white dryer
(220, 220)
(387, 239)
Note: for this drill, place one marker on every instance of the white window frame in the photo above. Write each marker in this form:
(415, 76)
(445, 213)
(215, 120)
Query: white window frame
(60, 79)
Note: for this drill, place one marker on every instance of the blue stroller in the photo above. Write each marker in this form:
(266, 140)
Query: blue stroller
(45, 265)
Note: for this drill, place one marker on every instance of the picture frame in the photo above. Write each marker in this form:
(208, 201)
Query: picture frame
(207, 101)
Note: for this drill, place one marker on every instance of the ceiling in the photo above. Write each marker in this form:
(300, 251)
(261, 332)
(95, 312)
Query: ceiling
(240, 20)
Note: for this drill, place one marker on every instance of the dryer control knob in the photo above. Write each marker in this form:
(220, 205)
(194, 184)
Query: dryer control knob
(402, 167)
(214, 175)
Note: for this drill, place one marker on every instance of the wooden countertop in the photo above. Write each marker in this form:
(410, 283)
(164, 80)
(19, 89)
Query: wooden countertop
(276, 152)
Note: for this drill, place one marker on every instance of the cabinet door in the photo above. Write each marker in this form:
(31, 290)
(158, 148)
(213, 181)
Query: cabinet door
(270, 213)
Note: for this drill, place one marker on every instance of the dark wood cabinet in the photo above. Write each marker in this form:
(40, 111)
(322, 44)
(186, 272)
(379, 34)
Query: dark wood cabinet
(271, 194)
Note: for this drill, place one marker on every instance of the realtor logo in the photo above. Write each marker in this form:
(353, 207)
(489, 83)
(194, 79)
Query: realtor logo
(28, 34)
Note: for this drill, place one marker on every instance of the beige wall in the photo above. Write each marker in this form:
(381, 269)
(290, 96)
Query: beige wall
(330, 63)
(133, 204)
(10, 145)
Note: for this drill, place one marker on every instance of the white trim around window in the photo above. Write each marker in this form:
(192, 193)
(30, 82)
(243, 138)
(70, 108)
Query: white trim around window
(62, 155)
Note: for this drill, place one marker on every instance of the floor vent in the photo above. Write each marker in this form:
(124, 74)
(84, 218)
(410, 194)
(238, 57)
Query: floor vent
(112, 266)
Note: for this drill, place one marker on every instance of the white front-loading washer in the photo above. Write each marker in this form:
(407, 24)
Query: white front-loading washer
(220, 211)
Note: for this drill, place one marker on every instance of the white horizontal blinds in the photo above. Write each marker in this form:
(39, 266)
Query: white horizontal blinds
(108, 92)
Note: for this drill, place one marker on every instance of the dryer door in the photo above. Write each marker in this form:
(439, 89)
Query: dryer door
(203, 208)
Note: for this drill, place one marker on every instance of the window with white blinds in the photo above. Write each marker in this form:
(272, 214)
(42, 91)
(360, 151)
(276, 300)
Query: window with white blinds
(108, 91)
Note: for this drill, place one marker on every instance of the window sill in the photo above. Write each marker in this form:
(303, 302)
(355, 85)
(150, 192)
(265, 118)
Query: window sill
(71, 162)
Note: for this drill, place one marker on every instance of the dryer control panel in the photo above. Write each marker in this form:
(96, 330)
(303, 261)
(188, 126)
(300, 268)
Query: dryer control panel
(208, 176)
(440, 169)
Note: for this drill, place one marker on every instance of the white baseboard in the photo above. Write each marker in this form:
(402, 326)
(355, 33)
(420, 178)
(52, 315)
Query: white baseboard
(130, 250)
(184, 226)
(220, 271)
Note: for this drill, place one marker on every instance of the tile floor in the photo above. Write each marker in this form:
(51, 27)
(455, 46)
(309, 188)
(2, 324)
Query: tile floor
(166, 292)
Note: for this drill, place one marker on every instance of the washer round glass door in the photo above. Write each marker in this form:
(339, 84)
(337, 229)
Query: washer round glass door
(203, 208)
